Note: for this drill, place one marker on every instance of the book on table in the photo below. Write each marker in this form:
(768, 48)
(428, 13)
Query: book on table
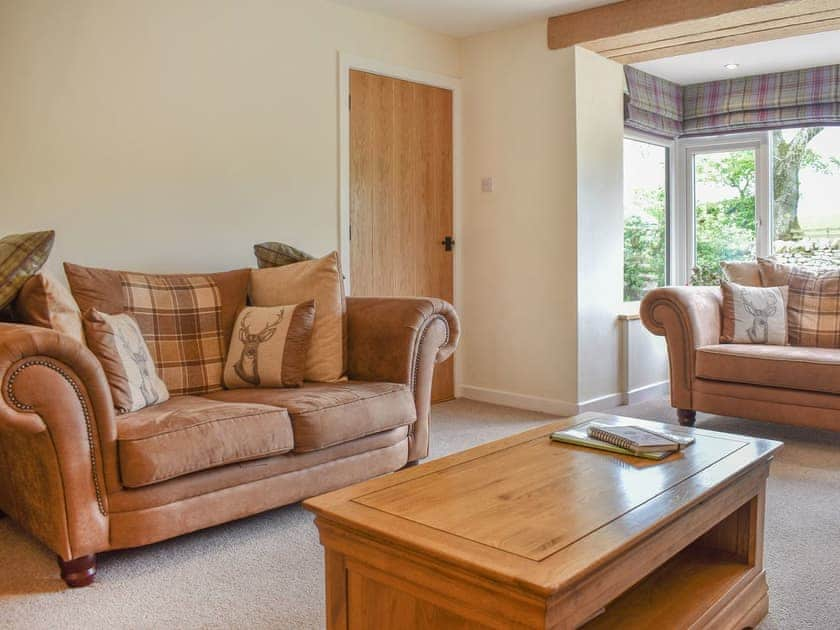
(624, 439)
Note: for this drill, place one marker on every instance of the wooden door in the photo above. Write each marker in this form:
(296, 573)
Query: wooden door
(401, 194)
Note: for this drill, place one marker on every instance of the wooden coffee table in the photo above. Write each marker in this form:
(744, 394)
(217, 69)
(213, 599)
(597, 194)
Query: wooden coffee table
(529, 533)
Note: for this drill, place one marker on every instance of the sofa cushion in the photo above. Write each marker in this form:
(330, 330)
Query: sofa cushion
(325, 414)
(117, 342)
(754, 314)
(318, 280)
(186, 319)
(268, 347)
(189, 434)
(791, 367)
(813, 302)
(743, 273)
(44, 301)
(21, 256)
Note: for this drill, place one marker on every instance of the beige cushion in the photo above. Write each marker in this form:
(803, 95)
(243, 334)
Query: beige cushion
(813, 303)
(44, 301)
(186, 319)
(743, 273)
(325, 414)
(754, 314)
(314, 279)
(188, 434)
(790, 367)
(21, 256)
(118, 344)
(773, 274)
(269, 345)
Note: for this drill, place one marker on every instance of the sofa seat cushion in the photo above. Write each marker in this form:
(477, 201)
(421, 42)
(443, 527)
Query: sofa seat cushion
(790, 367)
(187, 434)
(325, 414)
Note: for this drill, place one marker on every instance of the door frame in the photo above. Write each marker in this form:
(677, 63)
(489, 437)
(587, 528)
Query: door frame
(348, 62)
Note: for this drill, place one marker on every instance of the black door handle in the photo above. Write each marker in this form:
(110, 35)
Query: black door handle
(447, 243)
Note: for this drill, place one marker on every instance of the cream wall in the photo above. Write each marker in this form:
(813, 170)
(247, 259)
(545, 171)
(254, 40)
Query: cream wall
(174, 134)
(543, 253)
(599, 104)
(518, 243)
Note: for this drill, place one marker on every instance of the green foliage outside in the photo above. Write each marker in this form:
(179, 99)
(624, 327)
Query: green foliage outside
(644, 245)
(724, 229)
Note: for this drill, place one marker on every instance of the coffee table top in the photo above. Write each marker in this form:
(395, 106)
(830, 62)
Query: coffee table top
(535, 511)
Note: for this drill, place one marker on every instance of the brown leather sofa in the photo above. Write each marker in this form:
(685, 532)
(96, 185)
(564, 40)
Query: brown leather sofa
(788, 384)
(84, 480)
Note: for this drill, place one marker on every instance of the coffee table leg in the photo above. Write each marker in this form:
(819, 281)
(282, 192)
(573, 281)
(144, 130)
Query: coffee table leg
(336, 586)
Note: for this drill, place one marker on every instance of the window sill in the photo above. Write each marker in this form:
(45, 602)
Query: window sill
(629, 311)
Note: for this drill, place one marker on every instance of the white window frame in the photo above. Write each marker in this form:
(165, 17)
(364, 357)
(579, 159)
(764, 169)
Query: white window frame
(671, 272)
(684, 226)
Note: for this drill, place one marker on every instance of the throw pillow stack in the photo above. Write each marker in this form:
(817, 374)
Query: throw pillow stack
(811, 304)
(158, 336)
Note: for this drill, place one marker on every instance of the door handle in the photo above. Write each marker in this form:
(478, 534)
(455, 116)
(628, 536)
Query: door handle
(447, 243)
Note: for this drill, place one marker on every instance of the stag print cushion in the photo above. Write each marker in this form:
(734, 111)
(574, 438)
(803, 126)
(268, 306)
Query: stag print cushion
(117, 342)
(269, 345)
(318, 280)
(754, 314)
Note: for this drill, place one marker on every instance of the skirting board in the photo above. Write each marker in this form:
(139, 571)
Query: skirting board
(557, 407)
(519, 401)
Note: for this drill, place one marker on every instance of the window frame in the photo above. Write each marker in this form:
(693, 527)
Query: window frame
(684, 218)
(670, 147)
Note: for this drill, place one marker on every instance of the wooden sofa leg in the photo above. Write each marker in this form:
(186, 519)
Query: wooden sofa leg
(686, 417)
(79, 571)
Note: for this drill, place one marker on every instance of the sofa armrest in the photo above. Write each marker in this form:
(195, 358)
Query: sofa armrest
(399, 340)
(689, 318)
(57, 439)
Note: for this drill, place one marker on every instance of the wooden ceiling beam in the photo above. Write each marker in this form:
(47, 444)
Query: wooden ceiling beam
(638, 30)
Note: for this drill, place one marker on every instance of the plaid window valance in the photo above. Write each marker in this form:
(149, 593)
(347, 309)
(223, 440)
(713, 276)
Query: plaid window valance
(652, 104)
(798, 98)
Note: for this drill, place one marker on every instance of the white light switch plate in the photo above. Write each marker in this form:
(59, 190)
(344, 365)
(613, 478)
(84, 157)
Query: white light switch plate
(488, 184)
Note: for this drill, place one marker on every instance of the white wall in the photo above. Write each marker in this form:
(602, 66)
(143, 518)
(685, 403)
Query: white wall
(543, 254)
(599, 89)
(518, 243)
(171, 135)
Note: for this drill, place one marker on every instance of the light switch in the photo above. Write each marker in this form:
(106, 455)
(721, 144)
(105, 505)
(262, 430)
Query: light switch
(488, 184)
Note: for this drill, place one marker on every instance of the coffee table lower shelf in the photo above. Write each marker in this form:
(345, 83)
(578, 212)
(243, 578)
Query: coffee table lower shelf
(684, 591)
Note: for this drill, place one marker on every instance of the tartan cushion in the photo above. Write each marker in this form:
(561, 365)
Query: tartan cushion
(813, 303)
(272, 254)
(181, 320)
(186, 319)
(21, 256)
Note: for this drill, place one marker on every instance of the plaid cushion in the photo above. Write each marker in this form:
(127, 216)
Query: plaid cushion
(814, 308)
(181, 320)
(21, 256)
(273, 254)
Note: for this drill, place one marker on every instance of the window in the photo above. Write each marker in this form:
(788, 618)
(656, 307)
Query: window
(646, 203)
(806, 196)
(723, 210)
(736, 196)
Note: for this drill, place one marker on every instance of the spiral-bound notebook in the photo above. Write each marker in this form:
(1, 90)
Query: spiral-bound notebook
(638, 440)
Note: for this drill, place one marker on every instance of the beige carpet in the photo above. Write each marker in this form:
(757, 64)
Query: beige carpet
(265, 572)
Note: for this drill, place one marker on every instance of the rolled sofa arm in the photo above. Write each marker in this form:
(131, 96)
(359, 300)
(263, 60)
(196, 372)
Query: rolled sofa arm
(689, 318)
(399, 340)
(57, 440)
